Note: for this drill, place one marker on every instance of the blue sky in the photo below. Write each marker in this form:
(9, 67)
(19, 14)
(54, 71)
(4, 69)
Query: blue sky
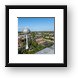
(36, 24)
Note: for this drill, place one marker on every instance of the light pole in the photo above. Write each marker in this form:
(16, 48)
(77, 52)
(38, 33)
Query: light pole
(26, 31)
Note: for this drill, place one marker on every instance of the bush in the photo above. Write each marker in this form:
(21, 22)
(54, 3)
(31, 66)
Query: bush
(34, 43)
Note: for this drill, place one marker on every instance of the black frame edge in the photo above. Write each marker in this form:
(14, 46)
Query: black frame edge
(7, 34)
(65, 36)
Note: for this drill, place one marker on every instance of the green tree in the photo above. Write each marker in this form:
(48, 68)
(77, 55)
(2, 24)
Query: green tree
(33, 34)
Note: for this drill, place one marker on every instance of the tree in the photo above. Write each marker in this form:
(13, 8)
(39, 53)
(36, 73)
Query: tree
(33, 34)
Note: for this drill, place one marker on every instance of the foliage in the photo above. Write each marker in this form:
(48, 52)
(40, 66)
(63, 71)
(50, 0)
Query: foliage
(33, 34)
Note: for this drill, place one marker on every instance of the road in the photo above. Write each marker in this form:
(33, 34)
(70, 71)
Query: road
(49, 50)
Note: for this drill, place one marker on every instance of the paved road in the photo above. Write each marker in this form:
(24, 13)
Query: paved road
(49, 50)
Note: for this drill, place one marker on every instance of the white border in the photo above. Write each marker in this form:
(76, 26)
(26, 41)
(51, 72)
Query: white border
(14, 57)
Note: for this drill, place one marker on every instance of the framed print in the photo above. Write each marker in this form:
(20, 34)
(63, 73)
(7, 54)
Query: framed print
(36, 36)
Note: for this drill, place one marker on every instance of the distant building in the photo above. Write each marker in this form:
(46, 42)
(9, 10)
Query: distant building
(40, 40)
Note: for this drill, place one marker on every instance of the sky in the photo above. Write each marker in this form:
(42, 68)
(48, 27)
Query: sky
(36, 23)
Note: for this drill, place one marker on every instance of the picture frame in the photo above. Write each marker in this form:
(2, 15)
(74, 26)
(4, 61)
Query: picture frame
(15, 13)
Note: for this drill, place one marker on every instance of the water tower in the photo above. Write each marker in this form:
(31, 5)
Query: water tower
(26, 31)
